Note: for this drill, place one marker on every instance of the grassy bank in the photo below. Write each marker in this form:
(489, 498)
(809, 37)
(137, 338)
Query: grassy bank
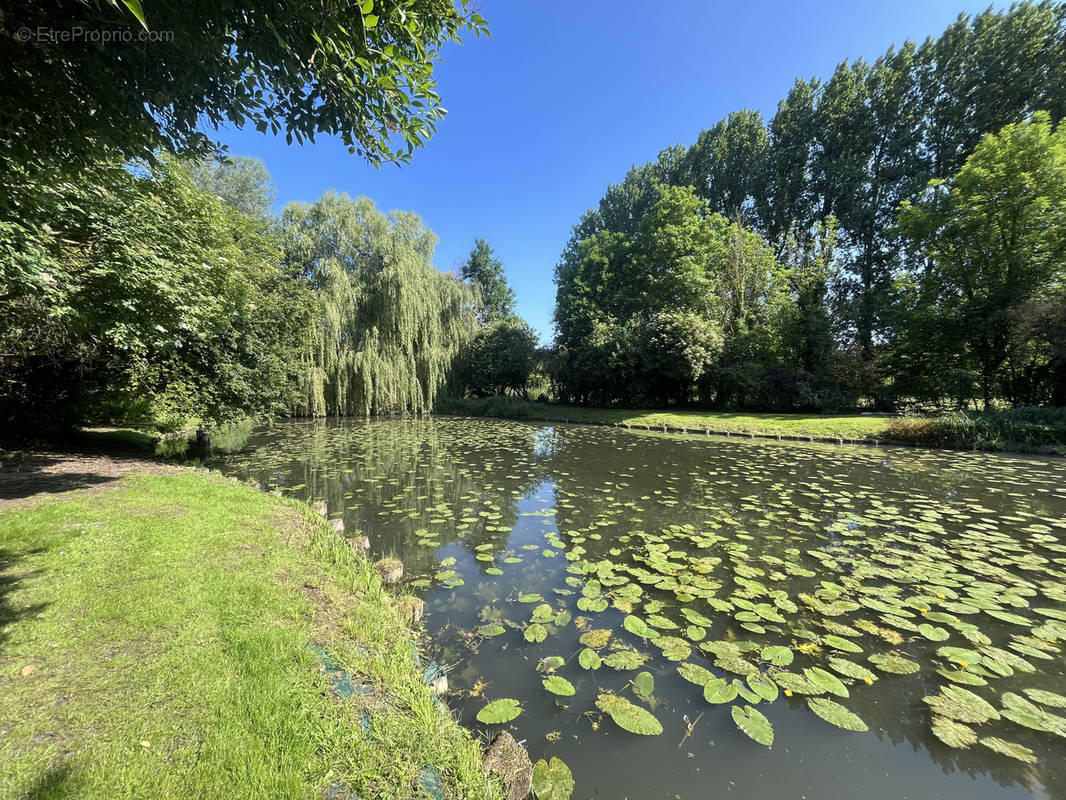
(1019, 429)
(156, 641)
(846, 426)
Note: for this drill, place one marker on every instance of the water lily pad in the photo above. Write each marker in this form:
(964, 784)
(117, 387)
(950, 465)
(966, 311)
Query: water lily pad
(499, 711)
(552, 780)
(1009, 749)
(763, 686)
(961, 705)
(894, 663)
(638, 627)
(933, 633)
(840, 643)
(589, 659)
(627, 716)
(1046, 698)
(493, 629)
(624, 659)
(777, 655)
(717, 691)
(536, 632)
(826, 680)
(836, 714)
(791, 682)
(644, 684)
(694, 673)
(754, 724)
(559, 685)
(550, 663)
(952, 733)
(849, 669)
(543, 613)
(674, 648)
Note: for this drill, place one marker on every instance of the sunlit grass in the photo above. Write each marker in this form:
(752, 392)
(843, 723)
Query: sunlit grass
(154, 643)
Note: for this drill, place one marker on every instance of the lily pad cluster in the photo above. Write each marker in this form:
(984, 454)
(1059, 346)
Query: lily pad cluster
(737, 577)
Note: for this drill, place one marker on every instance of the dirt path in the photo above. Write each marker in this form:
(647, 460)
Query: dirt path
(26, 475)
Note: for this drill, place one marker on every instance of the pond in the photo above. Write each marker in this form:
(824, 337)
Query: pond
(692, 617)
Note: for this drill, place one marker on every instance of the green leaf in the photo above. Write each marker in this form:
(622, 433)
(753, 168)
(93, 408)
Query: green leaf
(894, 663)
(559, 685)
(135, 8)
(536, 633)
(694, 673)
(840, 643)
(850, 669)
(370, 20)
(777, 655)
(492, 629)
(644, 684)
(589, 659)
(596, 639)
(962, 705)
(718, 691)
(674, 648)
(952, 733)
(826, 680)
(627, 716)
(624, 659)
(835, 714)
(552, 780)
(754, 724)
(499, 711)
(763, 686)
(1009, 749)
(1046, 698)
(550, 663)
(638, 627)
(934, 633)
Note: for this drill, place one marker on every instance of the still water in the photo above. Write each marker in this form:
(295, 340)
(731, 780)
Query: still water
(919, 595)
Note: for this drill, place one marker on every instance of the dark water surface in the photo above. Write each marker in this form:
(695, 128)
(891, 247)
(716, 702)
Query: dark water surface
(891, 551)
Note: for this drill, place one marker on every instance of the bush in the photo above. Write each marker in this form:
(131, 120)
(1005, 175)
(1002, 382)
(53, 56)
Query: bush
(498, 406)
(1016, 429)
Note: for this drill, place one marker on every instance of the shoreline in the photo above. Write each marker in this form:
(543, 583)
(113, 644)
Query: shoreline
(179, 586)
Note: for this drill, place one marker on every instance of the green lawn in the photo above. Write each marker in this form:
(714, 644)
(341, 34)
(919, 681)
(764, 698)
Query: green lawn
(843, 426)
(155, 642)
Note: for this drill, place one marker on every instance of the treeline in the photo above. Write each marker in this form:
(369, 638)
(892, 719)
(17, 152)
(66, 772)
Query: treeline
(141, 279)
(892, 235)
(170, 292)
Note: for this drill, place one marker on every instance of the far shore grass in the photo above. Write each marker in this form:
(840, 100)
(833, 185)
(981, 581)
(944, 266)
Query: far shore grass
(156, 642)
(1024, 430)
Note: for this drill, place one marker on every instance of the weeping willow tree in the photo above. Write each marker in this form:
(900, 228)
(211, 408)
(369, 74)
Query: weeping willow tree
(389, 326)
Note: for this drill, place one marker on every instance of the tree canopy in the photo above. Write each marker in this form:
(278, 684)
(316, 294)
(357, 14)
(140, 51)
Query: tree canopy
(821, 298)
(990, 240)
(484, 271)
(135, 80)
(389, 326)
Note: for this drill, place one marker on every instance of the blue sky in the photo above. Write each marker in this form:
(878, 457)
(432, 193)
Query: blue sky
(564, 98)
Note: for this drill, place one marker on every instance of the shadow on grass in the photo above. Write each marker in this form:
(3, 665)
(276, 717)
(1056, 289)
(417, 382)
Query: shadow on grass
(26, 474)
(52, 784)
(9, 581)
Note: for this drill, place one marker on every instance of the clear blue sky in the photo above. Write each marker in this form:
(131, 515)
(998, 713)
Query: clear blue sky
(564, 98)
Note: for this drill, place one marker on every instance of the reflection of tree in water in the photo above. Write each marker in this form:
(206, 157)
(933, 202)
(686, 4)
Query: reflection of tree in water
(401, 480)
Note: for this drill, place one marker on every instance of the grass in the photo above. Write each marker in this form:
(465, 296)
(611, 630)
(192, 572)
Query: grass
(842, 426)
(155, 643)
(1020, 429)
